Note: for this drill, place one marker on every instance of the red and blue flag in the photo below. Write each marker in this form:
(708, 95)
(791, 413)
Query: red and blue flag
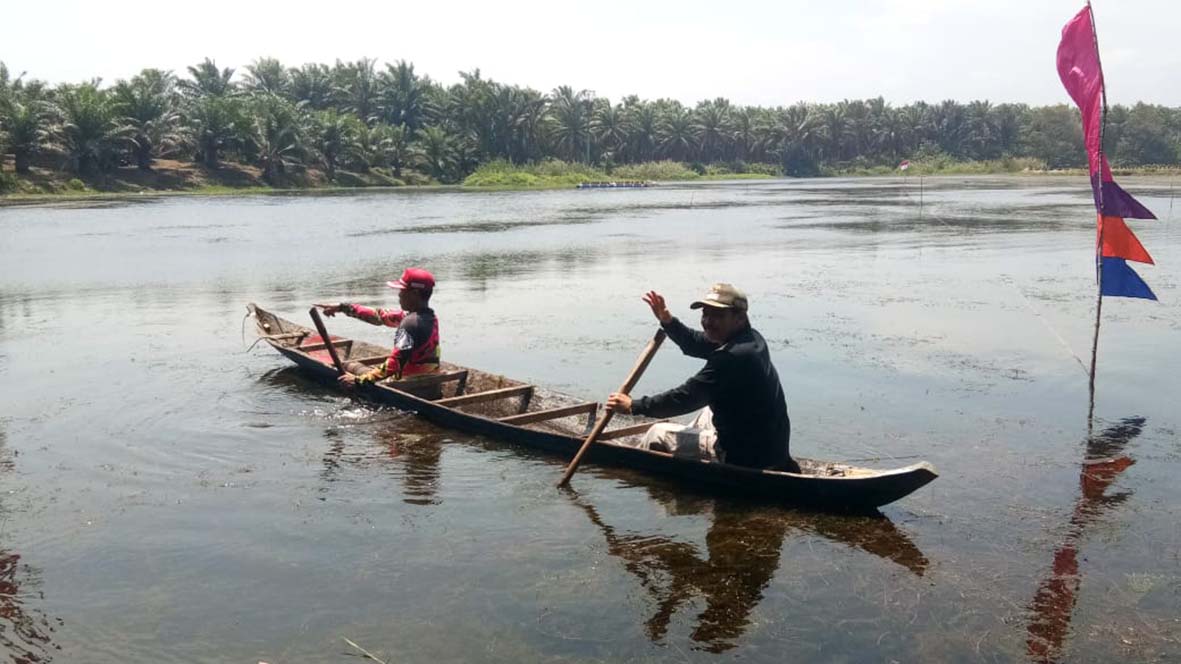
(1082, 75)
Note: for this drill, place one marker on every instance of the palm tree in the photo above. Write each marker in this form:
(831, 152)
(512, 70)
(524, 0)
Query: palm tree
(465, 157)
(677, 141)
(470, 111)
(797, 135)
(357, 87)
(436, 151)
(402, 96)
(837, 133)
(643, 130)
(610, 130)
(711, 129)
(26, 128)
(275, 135)
(915, 127)
(569, 114)
(148, 106)
(332, 137)
(208, 80)
(396, 149)
(214, 124)
(266, 75)
(530, 127)
(980, 135)
(312, 85)
(1009, 119)
(364, 152)
(90, 131)
(744, 132)
(950, 127)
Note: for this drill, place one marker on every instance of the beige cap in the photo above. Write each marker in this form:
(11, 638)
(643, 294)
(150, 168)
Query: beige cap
(722, 296)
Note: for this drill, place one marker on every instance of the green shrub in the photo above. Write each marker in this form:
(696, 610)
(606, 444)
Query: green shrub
(653, 171)
(74, 184)
(771, 170)
(7, 182)
(549, 173)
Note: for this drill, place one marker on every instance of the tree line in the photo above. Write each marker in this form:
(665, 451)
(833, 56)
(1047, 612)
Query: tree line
(361, 117)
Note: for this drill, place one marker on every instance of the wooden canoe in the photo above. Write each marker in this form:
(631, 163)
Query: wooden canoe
(487, 404)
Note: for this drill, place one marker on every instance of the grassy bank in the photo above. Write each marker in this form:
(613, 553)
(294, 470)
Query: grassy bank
(232, 179)
(553, 174)
(1012, 166)
(944, 166)
(175, 177)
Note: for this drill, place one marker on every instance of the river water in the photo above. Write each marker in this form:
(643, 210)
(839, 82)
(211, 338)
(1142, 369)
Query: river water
(168, 496)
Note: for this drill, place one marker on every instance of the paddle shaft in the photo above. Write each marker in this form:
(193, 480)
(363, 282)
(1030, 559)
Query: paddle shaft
(315, 314)
(632, 379)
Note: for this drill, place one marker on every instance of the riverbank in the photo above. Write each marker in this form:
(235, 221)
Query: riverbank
(180, 178)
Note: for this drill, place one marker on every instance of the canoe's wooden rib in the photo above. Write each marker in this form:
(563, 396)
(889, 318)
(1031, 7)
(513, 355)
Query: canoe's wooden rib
(340, 344)
(433, 379)
(590, 408)
(624, 432)
(824, 485)
(369, 361)
(523, 391)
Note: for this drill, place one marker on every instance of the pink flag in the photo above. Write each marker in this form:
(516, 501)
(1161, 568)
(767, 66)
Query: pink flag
(1082, 75)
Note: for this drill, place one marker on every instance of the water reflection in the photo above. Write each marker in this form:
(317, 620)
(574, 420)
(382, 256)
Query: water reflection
(415, 454)
(1053, 604)
(411, 446)
(26, 633)
(743, 546)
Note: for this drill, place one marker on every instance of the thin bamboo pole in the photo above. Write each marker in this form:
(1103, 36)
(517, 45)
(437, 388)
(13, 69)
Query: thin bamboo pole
(1099, 235)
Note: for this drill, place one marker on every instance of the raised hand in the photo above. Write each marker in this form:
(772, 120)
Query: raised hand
(329, 309)
(659, 309)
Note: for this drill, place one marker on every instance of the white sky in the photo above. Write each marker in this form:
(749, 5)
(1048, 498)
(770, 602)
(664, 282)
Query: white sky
(765, 53)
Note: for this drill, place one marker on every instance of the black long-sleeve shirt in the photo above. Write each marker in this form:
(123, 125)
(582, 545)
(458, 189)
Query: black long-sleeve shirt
(741, 386)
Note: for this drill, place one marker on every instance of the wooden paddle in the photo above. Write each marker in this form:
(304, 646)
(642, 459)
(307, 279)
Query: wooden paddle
(315, 314)
(632, 379)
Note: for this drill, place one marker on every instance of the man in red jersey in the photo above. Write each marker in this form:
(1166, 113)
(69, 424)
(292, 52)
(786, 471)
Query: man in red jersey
(416, 343)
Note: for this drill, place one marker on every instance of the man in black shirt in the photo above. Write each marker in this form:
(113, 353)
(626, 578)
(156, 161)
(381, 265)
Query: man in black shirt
(738, 384)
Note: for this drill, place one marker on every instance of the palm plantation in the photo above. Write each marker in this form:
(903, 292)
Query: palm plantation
(363, 117)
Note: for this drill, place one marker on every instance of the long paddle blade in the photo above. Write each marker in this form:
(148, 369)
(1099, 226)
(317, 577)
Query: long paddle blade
(632, 379)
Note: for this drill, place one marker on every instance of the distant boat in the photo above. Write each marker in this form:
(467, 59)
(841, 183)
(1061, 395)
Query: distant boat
(615, 184)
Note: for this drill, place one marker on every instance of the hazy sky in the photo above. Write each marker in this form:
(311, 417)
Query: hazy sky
(764, 53)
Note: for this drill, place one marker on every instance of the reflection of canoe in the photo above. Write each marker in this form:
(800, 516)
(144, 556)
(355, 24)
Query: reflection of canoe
(482, 403)
(725, 580)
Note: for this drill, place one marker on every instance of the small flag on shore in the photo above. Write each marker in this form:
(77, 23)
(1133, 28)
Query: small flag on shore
(904, 165)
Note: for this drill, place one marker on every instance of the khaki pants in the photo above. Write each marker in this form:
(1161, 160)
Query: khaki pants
(695, 441)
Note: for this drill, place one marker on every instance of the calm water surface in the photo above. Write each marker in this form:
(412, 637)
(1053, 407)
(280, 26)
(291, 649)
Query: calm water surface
(167, 496)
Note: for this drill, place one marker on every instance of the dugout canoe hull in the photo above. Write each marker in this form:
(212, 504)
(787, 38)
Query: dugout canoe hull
(829, 486)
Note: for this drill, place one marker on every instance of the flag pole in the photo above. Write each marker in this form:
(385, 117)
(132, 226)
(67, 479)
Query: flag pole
(1099, 236)
(920, 196)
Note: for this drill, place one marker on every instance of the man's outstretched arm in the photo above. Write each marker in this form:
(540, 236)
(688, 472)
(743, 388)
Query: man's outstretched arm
(386, 317)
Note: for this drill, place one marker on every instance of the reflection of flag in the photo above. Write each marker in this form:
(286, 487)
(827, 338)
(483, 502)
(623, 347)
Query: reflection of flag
(904, 165)
(1082, 75)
